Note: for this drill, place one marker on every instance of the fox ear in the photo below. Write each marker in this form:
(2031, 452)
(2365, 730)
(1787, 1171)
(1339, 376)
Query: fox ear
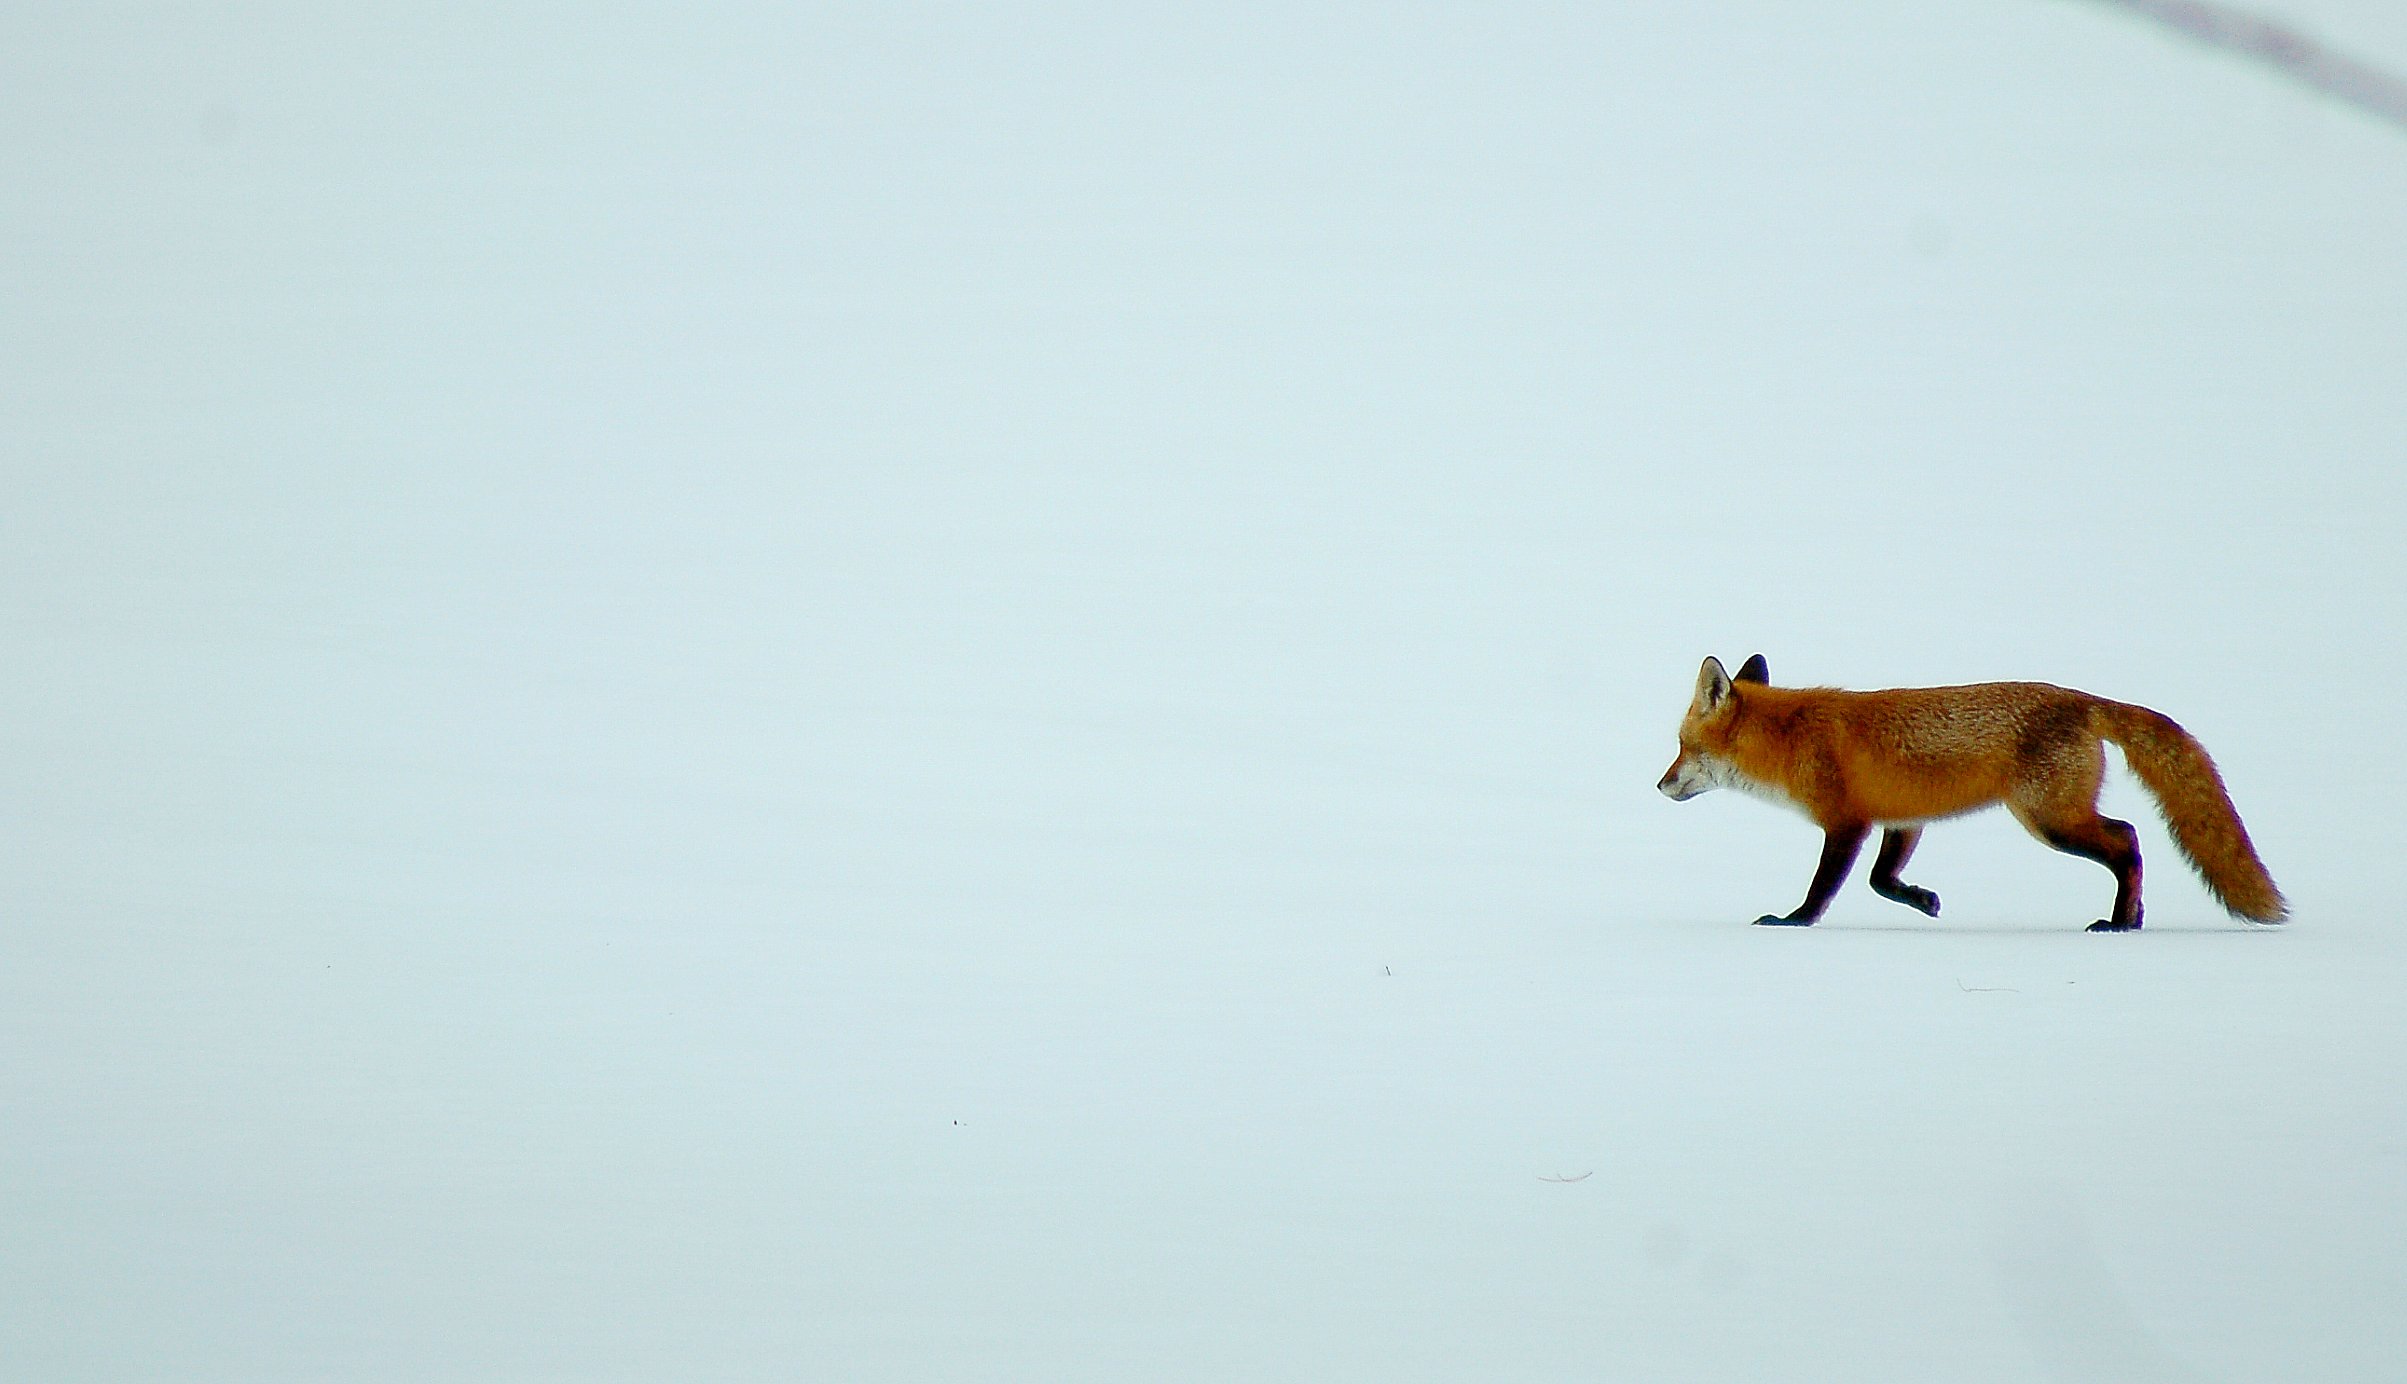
(1755, 669)
(1713, 687)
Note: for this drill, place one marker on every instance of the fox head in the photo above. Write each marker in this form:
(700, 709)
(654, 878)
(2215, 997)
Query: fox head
(1703, 730)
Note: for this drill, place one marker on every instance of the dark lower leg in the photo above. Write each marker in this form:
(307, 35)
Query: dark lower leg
(2126, 867)
(1839, 847)
(1896, 847)
(2116, 846)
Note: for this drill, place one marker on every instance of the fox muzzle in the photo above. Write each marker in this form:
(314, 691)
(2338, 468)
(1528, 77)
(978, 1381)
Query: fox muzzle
(1681, 781)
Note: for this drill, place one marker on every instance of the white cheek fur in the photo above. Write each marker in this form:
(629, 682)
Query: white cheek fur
(1723, 774)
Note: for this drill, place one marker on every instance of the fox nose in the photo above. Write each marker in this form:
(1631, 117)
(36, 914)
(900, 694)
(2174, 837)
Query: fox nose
(1676, 785)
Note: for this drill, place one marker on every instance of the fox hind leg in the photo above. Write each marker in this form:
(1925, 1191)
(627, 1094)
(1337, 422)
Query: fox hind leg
(2113, 844)
(2109, 841)
(2060, 807)
(1896, 847)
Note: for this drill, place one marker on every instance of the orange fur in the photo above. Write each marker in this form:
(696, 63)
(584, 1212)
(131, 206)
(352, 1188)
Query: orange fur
(1897, 759)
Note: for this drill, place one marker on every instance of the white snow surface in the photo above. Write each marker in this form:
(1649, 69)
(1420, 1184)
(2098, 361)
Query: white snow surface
(872, 692)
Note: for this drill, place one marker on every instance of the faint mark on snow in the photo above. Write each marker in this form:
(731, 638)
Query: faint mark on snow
(1723, 1272)
(1929, 236)
(1666, 1244)
(1985, 989)
(1668, 1250)
(1576, 1177)
(2061, 1293)
(219, 123)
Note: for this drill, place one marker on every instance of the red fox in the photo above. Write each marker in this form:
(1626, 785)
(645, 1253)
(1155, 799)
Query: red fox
(1903, 758)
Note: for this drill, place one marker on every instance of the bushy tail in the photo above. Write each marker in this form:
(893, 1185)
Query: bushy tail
(2197, 810)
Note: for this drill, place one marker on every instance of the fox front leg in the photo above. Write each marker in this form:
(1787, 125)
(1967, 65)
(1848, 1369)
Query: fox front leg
(1839, 847)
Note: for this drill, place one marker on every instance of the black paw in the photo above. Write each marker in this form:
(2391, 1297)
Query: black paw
(1913, 896)
(2110, 925)
(1779, 920)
